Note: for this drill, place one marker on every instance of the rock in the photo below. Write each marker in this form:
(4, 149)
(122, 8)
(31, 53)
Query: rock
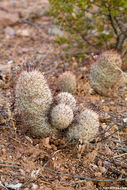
(5, 74)
(34, 186)
(56, 31)
(9, 32)
(125, 120)
(7, 18)
(24, 33)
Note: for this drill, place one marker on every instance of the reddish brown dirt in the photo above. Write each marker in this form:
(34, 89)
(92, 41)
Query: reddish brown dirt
(47, 163)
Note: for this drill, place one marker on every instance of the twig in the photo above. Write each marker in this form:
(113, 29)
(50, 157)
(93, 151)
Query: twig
(124, 126)
(102, 134)
(117, 141)
(118, 35)
(120, 28)
(113, 147)
(51, 157)
(83, 177)
(120, 155)
(112, 22)
(122, 42)
(36, 51)
(124, 54)
(11, 166)
(18, 141)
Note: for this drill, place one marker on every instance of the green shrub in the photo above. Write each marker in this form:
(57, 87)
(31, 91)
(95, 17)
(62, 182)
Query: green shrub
(93, 22)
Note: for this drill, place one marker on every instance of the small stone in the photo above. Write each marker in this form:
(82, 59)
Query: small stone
(103, 169)
(56, 31)
(34, 186)
(10, 32)
(8, 19)
(125, 120)
(24, 32)
(98, 174)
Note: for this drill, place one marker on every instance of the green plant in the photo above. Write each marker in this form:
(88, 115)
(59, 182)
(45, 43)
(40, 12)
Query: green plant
(33, 100)
(67, 99)
(85, 128)
(105, 72)
(93, 23)
(61, 116)
(67, 82)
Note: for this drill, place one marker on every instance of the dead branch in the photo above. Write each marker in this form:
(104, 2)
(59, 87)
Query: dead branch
(83, 177)
(10, 166)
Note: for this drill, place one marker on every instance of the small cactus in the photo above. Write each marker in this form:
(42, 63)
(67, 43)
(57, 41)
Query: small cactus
(67, 99)
(61, 116)
(67, 82)
(33, 100)
(105, 72)
(41, 127)
(85, 128)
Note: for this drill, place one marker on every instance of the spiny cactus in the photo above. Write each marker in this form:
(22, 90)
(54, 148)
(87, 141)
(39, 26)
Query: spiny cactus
(85, 128)
(123, 78)
(41, 127)
(67, 99)
(61, 116)
(33, 100)
(105, 72)
(67, 82)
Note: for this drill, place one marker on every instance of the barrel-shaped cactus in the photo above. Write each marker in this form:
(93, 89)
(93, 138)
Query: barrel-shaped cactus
(67, 82)
(33, 101)
(85, 127)
(67, 99)
(61, 116)
(105, 72)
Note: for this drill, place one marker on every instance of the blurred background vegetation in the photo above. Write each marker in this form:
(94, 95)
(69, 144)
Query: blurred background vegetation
(91, 25)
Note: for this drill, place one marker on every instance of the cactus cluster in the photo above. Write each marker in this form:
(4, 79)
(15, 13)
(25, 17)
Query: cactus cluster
(105, 72)
(67, 82)
(43, 118)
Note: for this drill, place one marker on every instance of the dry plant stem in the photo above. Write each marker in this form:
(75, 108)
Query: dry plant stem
(10, 166)
(112, 147)
(120, 28)
(117, 141)
(124, 126)
(51, 157)
(37, 50)
(18, 141)
(83, 177)
(120, 155)
(62, 54)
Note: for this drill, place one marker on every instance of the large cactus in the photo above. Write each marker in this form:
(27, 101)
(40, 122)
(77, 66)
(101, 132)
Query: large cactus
(105, 72)
(33, 100)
